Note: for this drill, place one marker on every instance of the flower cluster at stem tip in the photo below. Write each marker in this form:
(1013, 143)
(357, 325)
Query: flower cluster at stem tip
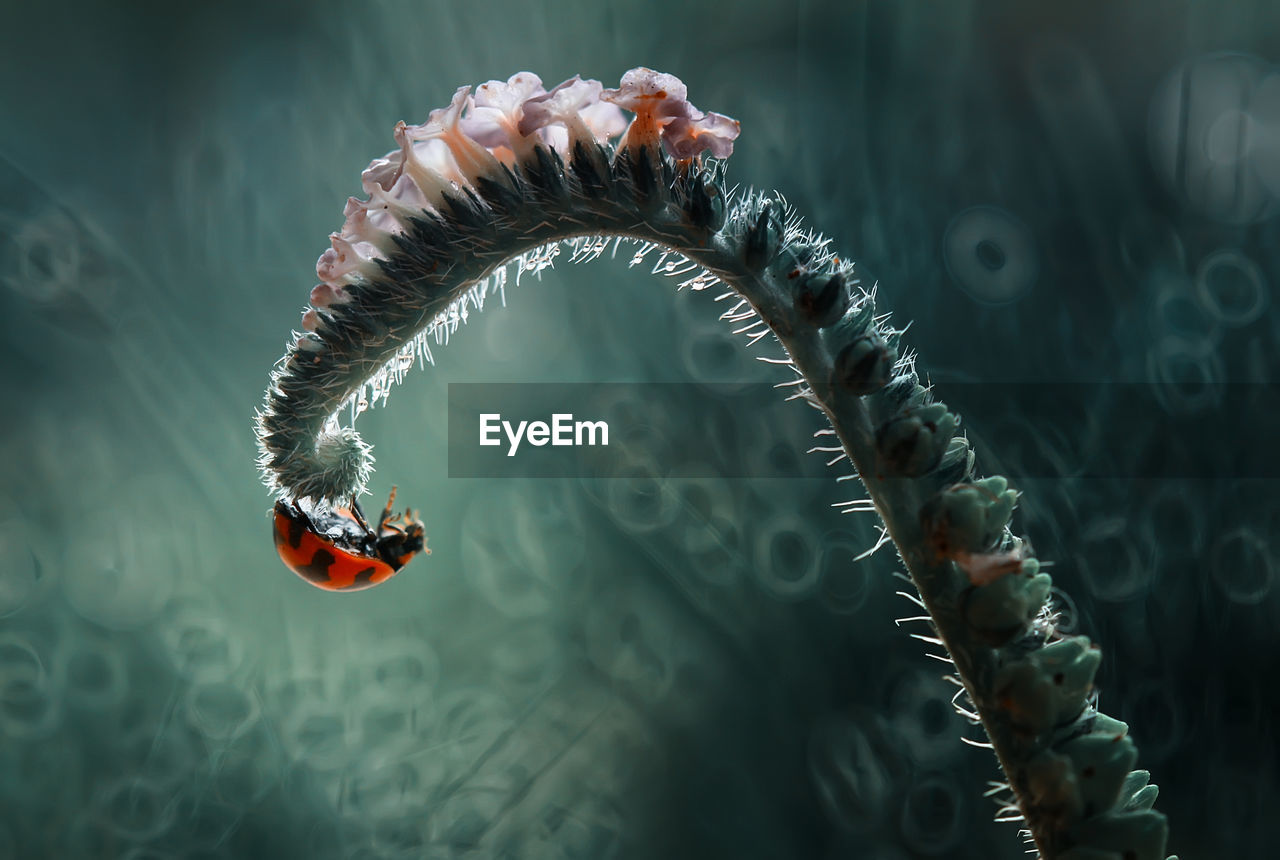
(497, 127)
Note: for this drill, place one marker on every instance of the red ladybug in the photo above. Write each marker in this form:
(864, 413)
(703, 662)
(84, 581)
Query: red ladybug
(335, 549)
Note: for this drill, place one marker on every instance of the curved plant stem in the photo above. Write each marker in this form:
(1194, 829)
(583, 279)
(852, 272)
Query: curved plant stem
(1068, 767)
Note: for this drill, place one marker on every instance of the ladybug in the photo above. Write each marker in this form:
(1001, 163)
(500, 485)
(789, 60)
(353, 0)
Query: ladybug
(334, 548)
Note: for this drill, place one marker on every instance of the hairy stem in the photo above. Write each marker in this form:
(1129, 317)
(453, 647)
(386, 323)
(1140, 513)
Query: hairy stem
(1068, 766)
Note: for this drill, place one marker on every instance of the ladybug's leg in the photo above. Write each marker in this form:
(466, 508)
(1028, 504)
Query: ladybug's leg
(369, 542)
(359, 514)
(386, 512)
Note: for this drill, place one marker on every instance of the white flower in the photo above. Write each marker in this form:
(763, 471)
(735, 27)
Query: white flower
(498, 108)
(343, 258)
(574, 105)
(368, 221)
(644, 91)
(325, 295)
(472, 160)
(382, 172)
(663, 111)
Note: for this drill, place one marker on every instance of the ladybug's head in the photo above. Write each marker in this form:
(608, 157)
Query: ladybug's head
(400, 538)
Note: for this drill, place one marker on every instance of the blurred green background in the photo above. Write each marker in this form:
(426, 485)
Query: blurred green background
(681, 667)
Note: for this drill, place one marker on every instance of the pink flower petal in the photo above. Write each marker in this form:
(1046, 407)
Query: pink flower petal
(604, 120)
(571, 111)
(368, 222)
(509, 96)
(564, 101)
(472, 158)
(382, 172)
(497, 109)
(556, 137)
(655, 99)
(424, 166)
(326, 295)
(646, 91)
(344, 258)
(686, 136)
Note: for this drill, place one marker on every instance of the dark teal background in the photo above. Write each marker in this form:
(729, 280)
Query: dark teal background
(673, 666)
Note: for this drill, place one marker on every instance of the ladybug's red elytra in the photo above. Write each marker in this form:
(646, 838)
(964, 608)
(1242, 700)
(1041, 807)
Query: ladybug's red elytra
(335, 549)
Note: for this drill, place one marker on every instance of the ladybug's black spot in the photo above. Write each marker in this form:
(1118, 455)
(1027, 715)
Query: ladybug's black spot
(317, 570)
(296, 530)
(364, 577)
